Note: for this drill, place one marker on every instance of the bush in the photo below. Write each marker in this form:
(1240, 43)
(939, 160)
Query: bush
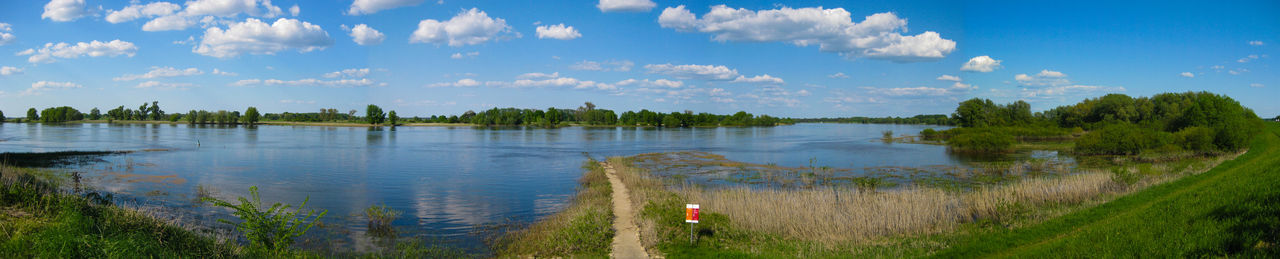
(929, 134)
(1121, 139)
(1198, 139)
(273, 229)
(994, 140)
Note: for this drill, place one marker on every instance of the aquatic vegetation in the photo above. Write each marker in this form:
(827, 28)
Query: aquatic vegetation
(272, 229)
(380, 218)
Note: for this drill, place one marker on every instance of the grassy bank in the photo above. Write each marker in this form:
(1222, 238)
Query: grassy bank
(840, 221)
(583, 229)
(1229, 211)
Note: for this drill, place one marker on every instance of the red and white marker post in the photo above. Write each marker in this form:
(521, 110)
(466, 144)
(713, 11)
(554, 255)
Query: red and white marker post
(691, 217)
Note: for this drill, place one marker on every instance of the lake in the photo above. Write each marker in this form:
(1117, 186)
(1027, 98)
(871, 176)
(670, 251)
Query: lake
(446, 180)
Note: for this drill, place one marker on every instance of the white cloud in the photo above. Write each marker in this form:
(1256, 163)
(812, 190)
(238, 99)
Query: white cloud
(838, 75)
(169, 23)
(1237, 71)
(612, 65)
(1256, 85)
(465, 82)
(227, 8)
(625, 5)
(64, 10)
(536, 75)
(704, 72)
(1045, 77)
(461, 55)
(909, 91)
(1187, 74)
(135, 11)
(288, 101)
(158, 72)
(1255, 43)
(1055, 91)
(38, 87)
(162, 85)
(256, 37)
(348, 73)
(51, 51)
(949, 78)
(223, 73)
(469, 27)
(655, 83)
(372, 6)
(760, 79)
(309, 82)
(206, 12)
(981, 64)
(295, 10)
(558, 31)
(878, 36)
(364, 35)
(6, 34)
(7, 70)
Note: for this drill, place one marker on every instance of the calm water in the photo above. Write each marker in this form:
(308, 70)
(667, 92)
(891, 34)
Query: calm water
(446, 180)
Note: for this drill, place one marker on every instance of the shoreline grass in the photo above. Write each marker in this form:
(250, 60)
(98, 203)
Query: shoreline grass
(583, 229)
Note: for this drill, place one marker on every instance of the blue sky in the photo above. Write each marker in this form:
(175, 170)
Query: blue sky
(785, 58)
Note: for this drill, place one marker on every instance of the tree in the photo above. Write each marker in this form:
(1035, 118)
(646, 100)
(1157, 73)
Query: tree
(374, 115)
(392, 118)
(155, 111)
(2, 116)
(351, 113)
(32, 115)
(95, 114)
(251, 115)
(142, 112)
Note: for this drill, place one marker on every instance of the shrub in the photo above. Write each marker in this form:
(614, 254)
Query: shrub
(1196, 139)
(380, 218)
(1121, 139)
(273, 229)
(929, 134)
(981, 141)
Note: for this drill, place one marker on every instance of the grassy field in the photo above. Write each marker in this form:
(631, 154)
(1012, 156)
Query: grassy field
(583, 229)
(1232, 210)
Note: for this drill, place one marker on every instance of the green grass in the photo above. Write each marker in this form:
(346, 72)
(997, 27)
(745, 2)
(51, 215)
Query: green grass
(583, 229)
(1232, 210)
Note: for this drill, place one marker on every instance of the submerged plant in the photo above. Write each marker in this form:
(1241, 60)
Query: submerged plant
(380, 218)
(272, 229)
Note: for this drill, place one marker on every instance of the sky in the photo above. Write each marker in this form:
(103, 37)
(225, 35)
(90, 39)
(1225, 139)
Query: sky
(782, 58)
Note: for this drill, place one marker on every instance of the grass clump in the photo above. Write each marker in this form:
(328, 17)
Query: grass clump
(272, 229)
(584, 229)
(380, 218)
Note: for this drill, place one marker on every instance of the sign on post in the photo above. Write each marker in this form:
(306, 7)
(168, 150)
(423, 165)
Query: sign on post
(691, 213)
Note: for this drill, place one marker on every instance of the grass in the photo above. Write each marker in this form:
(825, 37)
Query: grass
(1231, 211)
(583, 229)
(380, 218)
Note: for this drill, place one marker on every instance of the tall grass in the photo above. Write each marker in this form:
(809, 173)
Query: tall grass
(584, 229)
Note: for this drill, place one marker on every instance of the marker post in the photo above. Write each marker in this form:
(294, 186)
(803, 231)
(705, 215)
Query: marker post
(691, 217)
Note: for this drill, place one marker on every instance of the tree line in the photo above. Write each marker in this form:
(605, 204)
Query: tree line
(926, 119)
(1112, 124)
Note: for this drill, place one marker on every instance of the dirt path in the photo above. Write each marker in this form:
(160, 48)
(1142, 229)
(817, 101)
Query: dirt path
(626, 240)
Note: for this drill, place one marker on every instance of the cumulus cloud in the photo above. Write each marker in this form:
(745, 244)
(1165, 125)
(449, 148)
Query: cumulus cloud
(558, 31)
(39, 87)
(760, 79)
(6, 34)
(134, 12)
(461, 55)
(878, 36)
(949, 78)
(1056, 91)
(364, 35)
(838, 75)
(8, 70)
(64, 10)
(372, 6)
(162, 85)
(1256, 85)
(654, 83)
(50, 52)
(465, 82)
(981, 64)
(295, 10)
(1044, 78)
(469, 27)
(223, 73)
(256, 37)
(1187, 74)
(347, 73)
(703, 72)
(909, 91)
(536, 75)
(625, 5)
(340, 83)
(226, 8)
(612, 65)
(1255, 43)
(158, 72)
(1237, 71)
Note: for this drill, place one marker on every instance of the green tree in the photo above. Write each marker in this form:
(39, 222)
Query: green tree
(392, 118)
(374, 114)
(154, 110)
(251, 115)
(2, 116)
(32, 115)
